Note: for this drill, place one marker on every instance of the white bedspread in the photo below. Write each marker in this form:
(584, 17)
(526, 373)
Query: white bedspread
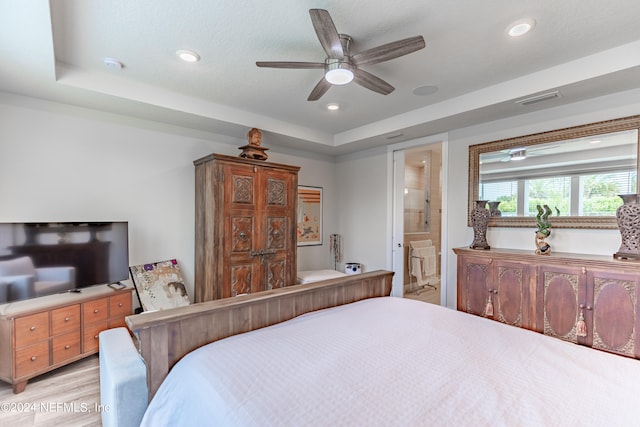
(397, 362)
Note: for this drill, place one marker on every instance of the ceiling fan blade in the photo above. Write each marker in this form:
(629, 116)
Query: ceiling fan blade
(372, 82)
(389, 51)
(289, 64)
(321, 88)
(327, 33)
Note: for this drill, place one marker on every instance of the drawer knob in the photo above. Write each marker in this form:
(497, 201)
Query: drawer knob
(33, 358)
(95, 337)
(67, 347)
(33, 328)
(120, 304)
(96, 310)
(66, 319)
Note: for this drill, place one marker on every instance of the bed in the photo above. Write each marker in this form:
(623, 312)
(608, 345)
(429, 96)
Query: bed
(380, 361)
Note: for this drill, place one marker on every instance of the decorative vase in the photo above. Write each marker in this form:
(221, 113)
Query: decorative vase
(493, 209)
(544, 230)
(542, 247)
(480, 220)
(628, 217)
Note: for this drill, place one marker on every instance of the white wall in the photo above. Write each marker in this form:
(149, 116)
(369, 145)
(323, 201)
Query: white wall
(363, 200)
(60, 163)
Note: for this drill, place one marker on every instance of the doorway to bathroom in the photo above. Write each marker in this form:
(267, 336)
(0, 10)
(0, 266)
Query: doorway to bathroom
(418, 221)
(422, 222)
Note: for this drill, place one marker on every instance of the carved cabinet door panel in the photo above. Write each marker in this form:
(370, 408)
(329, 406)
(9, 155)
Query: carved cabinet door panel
(278, 225)
(509, 292)
(474, 285)
(560, 290)
(275, 274)
(241, 278)
(610, 311)
(239, 203)
(241, 234)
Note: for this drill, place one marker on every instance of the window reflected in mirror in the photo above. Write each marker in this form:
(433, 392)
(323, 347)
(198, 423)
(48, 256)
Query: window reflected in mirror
(578, 177)
(578, 172)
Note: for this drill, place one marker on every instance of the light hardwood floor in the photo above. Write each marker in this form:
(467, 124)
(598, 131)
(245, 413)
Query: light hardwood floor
(68, 396)
(426, 294)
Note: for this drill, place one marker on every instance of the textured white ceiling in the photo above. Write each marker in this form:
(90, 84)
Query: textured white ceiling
(585, 48)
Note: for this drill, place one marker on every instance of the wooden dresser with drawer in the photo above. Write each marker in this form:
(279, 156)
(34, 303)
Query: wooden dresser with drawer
(45, 333)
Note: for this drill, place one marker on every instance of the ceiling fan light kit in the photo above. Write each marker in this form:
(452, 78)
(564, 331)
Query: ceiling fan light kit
(340, 67)
(338, 72)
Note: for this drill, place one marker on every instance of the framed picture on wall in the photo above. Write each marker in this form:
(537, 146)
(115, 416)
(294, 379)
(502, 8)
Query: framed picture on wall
(309, 216)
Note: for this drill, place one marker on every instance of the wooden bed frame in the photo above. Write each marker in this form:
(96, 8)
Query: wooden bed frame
(164, 337)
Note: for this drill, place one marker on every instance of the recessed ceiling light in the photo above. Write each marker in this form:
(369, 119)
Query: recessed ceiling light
(188, 55)
(521, 27)
(333, 106)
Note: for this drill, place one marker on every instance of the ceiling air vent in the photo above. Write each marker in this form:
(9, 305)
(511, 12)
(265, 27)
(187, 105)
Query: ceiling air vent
(539, 98)
(394, 135)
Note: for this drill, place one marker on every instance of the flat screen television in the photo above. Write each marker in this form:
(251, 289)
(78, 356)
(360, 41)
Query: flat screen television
(65, 256)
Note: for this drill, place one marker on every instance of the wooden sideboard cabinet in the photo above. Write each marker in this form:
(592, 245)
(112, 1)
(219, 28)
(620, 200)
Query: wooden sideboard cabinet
(42, 334)
(245, 234)
(555, 295)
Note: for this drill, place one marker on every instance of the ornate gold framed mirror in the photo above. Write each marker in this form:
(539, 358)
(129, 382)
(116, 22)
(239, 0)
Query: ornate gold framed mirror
(578, 172)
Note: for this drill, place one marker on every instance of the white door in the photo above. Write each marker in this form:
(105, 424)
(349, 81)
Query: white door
(397, 289)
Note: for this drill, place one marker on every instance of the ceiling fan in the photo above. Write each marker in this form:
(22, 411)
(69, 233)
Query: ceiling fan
(340, 66)
(521, 153)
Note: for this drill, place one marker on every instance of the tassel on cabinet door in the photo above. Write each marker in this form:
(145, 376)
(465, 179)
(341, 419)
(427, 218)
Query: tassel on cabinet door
(488, 311)
(581, 325)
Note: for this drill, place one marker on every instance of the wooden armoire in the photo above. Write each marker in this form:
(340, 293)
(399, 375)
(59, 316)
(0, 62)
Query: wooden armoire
(245, 228)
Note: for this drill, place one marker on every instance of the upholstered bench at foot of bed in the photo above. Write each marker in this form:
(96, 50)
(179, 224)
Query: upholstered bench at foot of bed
(123, 380)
